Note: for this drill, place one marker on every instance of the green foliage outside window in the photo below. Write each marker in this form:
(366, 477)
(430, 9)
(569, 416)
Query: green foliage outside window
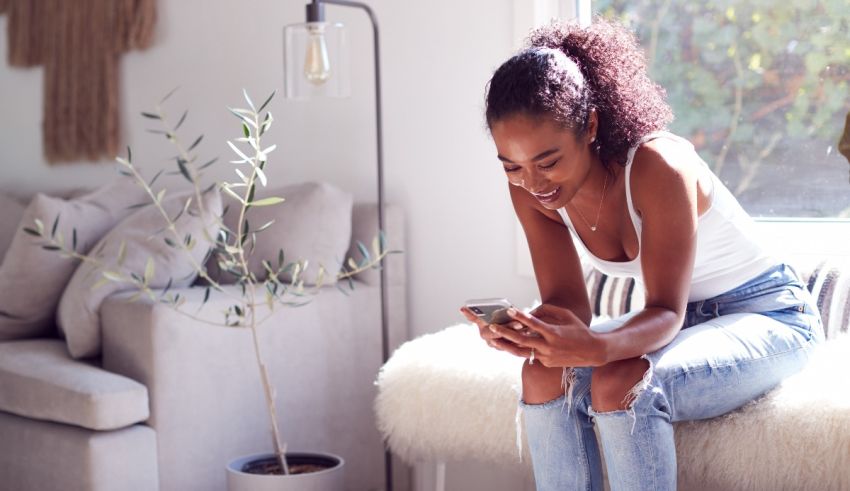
(759, 86)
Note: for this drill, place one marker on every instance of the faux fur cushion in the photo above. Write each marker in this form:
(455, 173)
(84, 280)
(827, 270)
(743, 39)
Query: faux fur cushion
(796, 437)
(144, 238)
(449, 397)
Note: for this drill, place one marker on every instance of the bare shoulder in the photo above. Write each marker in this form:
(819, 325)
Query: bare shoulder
(663, 166)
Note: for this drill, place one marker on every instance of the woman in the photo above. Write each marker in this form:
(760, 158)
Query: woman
(578, 127)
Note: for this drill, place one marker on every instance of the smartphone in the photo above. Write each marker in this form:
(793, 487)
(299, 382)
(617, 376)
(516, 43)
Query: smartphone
(491, 310)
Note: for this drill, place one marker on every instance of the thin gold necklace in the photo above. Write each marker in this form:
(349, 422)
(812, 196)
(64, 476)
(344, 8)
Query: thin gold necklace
(598, 211)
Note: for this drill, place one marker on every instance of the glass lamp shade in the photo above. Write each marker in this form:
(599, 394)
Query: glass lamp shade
(316, 60)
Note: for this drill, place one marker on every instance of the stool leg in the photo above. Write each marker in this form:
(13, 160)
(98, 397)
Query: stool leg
(441, 476)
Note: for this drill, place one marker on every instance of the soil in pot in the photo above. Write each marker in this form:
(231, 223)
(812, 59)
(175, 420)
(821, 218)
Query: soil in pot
(297, 465)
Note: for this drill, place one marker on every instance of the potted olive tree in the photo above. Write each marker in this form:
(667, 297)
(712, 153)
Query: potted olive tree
(232, 249)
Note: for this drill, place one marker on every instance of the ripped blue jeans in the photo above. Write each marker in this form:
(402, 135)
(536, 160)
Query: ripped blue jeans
(732, 349)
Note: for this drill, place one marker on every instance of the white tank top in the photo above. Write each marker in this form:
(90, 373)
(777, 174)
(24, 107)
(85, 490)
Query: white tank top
(727, 254)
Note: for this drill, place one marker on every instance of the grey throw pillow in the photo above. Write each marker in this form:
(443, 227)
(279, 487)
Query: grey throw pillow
(144, 237)
(11, 211)
(313, 224)
(31, 278)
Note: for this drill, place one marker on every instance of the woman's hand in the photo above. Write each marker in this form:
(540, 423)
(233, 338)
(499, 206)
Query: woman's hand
(562, 340)
(493, 339)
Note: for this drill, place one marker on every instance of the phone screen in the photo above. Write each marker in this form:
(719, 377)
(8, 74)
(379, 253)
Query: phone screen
(492, 311)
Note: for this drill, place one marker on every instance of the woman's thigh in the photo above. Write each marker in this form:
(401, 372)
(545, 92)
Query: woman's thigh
(719, 365)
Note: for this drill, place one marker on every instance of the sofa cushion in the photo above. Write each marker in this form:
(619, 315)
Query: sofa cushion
(11, 211)
(613, 296)
(31, 278)
(41, 381)
(314, 224)
(143, 236)
(829, 283)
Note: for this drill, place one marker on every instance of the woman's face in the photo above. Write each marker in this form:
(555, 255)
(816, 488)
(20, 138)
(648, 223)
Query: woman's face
(546, 160)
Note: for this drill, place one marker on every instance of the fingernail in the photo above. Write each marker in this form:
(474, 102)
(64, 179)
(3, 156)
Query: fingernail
(512, 311)
(493, 329)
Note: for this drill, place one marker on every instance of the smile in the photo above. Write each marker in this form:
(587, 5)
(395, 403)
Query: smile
(550, 196)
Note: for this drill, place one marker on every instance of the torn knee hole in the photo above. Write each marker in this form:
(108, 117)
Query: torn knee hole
(641, 385)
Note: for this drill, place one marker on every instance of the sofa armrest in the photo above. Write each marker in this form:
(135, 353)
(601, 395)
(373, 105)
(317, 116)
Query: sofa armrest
(364, 228)
(206, 399)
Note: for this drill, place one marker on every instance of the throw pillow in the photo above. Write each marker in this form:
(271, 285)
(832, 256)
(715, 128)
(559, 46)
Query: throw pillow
(829, 284)
(613, 296)
(32, 278)
(314, 224)
(144, 238)
(11, 211)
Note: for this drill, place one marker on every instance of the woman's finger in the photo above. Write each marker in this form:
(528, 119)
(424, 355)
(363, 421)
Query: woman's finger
(529, 321)
(473, 318)
(519, 338)
(511, 348)
(552, 311)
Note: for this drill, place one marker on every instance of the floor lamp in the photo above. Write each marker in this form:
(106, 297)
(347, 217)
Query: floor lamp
(316, 65)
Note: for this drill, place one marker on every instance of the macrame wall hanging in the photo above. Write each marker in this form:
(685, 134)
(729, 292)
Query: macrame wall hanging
(79, 42)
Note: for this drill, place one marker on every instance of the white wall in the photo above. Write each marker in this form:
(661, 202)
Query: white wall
(440, 162)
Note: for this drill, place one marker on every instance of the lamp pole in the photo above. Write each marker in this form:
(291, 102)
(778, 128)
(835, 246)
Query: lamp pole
(316, 13)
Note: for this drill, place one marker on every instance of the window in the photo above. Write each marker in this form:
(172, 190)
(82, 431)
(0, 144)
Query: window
(761, 89)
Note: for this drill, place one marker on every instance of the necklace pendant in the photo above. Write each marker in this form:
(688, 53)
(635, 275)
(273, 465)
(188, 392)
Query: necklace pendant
(593, 228)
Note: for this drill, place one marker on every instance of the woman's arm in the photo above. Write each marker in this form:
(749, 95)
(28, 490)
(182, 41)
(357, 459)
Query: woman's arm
(557, 266)
(665, 194)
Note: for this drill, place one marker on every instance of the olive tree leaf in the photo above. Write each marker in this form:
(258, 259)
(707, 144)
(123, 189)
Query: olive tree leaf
(150, 184)
(181, 164)
(211, 162)
(195, 143)
(267, 201)
(149, 270)
(112, 276)
(363, 251)
(266, 103)
(238, 152)
(248, 99)
(262, 175)
(169, 94)
(182, 118)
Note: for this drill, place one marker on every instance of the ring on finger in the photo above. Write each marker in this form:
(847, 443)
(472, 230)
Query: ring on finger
(531, 358)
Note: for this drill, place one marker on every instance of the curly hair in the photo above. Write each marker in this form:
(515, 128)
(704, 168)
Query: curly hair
(566, 70)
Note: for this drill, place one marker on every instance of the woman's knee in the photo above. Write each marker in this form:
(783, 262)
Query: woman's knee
(613, 386)
(541, 384)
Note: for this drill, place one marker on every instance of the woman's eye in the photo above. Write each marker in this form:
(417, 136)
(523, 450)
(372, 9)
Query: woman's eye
(514, 169)
(550, 165)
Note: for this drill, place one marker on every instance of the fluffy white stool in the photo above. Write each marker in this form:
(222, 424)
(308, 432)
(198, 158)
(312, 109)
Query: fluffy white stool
(447, 397)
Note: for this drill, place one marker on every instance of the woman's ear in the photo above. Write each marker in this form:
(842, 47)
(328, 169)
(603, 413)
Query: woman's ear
(592, 126)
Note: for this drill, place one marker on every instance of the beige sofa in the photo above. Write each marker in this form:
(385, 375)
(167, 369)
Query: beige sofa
(173, 399)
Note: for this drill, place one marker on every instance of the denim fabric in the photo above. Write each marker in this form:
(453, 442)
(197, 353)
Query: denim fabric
(732, 349)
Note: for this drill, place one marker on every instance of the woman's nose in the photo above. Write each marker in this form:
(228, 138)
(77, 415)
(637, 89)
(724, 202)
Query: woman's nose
(532, 181)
